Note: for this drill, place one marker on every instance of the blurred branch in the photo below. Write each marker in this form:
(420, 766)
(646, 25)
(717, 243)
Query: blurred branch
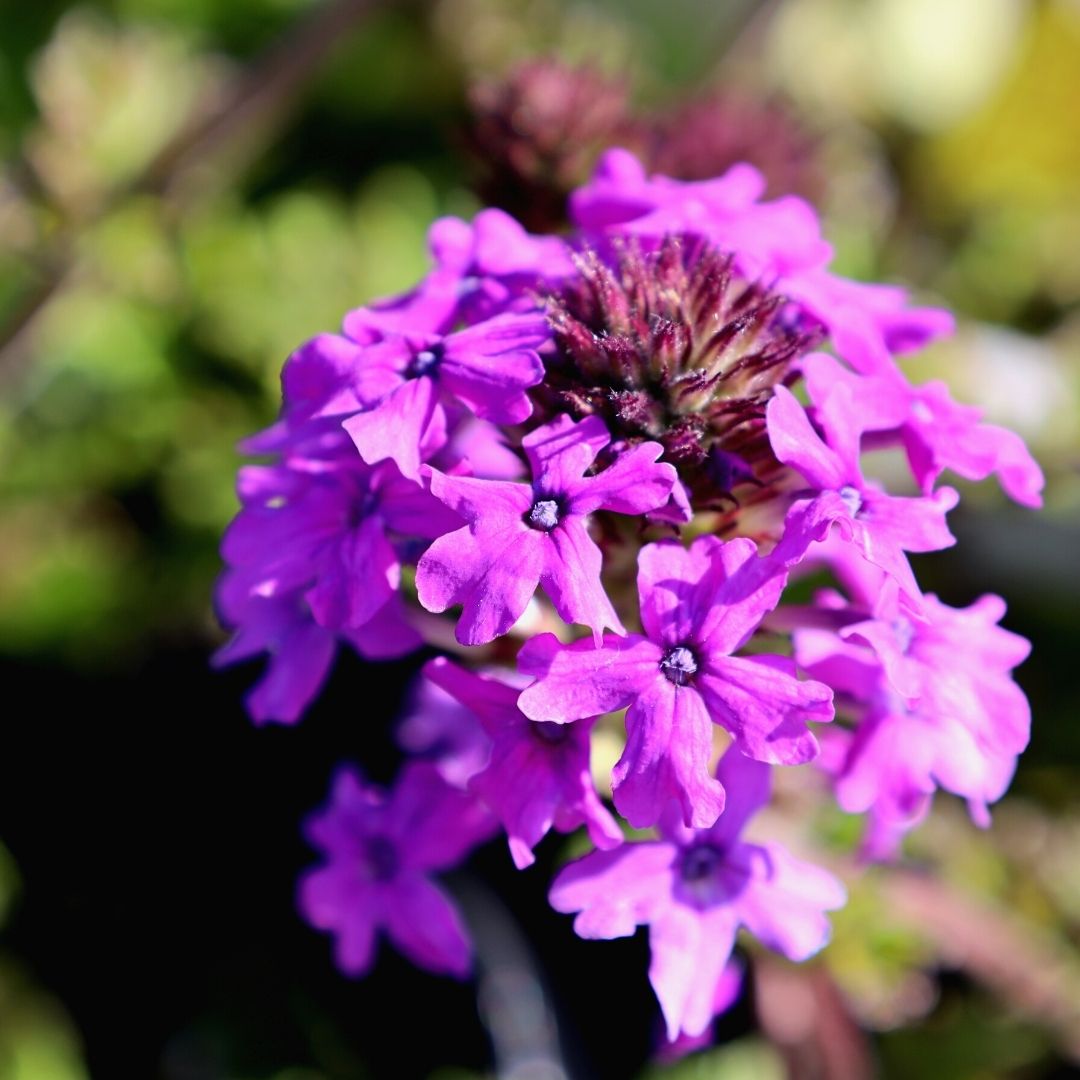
(230, 128)
(511, 998)
(1013, 959)
(260, 100)
(804, 1015)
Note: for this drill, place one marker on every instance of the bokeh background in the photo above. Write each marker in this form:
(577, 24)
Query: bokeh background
(188, 189)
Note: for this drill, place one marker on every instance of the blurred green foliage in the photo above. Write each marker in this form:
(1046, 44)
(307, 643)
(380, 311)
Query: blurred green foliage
(37, 1040)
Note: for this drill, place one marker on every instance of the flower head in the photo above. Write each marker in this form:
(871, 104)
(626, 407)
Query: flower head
(694, 889)
(698, 606)
(537, 776)
(935, 702)
(380, 850)
(403, 381)
(519, 536)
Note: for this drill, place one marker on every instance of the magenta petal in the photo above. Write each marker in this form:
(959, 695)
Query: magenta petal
(532, 784)
(602, 828)
(784, 903)
(477, 501)
(845, 666)
(426, 927)
(535, 777)
(675, 585)
(616, 891)
(689, 952)
(386, 635)
(317, 379)
(450, 241)
(357, 579)
(434, 825)
(332, 898)
(489, 366)
(563, 450)
(1018, 472)
(634, 483)
(395, 428)
(795, 443)
(571, 578)
(668, 748)
(714, 593)
(493, 575)
(744, 588)
(887, 770)
(761, 702)
(747, 786)
(294, 674)
(579, 680)
(493, 702)
(943, 434)
(438, 728)
(409, 509)
(807, 523)
(914, 524)
(525, 806)
(888, 640)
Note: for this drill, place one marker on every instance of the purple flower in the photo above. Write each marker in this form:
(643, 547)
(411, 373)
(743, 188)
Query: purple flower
(328, 527)
(937, 432)
(519, 536)
(300, 651)
(538, 774)
(936, 703)
(380, 851)
(698, 606)
(481, 269)
(401, 382)
(882, 526)
(694, 889)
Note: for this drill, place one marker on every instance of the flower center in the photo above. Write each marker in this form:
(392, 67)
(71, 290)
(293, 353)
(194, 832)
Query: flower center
(550, 733)
(699, 863)
(361, 508)
(678, 665)
(380, 859)
(424, 362)
(544, 514)
(852, 499)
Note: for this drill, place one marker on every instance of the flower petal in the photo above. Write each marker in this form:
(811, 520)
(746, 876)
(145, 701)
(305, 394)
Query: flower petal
(616, 891)
(571, 578)
(761, 702)
(395, 428)
(668, 747)
(579, 680)
(423, 923)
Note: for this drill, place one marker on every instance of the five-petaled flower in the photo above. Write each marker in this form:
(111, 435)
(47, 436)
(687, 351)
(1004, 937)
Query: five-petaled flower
(694, 889)
(381, 850)
(698, 606)
(519, 536)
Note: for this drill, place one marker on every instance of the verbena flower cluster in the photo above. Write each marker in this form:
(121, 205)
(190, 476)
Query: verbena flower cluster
(677, 394)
